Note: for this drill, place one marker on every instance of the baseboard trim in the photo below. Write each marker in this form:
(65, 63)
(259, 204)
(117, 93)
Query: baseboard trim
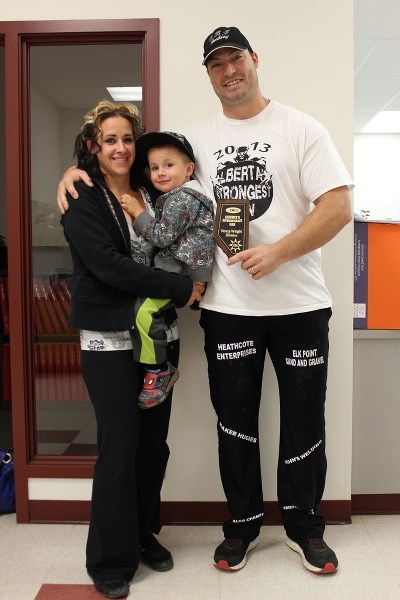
(375, 504)
(178, 513)
(215, 513)
(59, 511)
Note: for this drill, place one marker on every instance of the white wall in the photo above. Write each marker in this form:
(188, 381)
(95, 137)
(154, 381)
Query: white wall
(45, 152)
(306, 59)
(376, 413)
(376, 408)
(376, 175)
(71, 120)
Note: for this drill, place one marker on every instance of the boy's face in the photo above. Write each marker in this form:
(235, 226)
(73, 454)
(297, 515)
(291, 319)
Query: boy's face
(169, 168)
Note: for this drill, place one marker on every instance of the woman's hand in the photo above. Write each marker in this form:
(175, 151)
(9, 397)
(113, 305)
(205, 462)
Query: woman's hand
(66, 184)
(197, 292)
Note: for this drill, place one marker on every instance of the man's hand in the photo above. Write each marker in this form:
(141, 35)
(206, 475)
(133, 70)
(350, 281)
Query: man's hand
(258, 261)
(332, 211)
(66, 184)
(197, 292)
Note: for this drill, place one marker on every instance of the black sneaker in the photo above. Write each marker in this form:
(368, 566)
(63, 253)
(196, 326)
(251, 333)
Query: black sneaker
(112, 589)
(231, 555)
(155, 555)
(315, 554)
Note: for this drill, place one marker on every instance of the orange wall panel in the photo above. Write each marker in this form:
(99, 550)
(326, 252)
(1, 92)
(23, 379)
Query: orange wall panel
(383, 276)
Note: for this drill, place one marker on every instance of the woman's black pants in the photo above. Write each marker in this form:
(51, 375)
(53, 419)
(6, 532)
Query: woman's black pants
(132, 458)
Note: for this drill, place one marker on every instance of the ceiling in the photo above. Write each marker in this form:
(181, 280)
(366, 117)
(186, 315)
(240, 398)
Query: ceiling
(88, 69)
(376, 59)
(76, 76)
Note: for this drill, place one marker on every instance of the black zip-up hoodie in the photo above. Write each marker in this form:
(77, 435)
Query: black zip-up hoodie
(105, 279)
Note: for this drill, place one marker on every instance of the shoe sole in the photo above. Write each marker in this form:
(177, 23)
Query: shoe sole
(121, 592)
(159, 567)
(328, 568)
(224, 566)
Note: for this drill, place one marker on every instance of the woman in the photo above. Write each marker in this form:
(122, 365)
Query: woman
(132, 448)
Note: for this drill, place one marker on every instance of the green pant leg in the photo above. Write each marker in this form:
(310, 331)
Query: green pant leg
(149, 339)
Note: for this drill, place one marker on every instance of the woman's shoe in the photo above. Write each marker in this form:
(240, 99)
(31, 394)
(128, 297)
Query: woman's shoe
(154, 554)
(112, 589)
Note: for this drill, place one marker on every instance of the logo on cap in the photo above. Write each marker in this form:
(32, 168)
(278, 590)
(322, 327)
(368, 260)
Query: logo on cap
(220, 34)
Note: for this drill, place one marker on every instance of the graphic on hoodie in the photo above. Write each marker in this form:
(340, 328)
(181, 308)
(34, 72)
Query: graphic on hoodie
(242, 174)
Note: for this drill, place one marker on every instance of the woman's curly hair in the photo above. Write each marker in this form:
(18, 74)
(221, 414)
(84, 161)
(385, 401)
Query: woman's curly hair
(86, 143)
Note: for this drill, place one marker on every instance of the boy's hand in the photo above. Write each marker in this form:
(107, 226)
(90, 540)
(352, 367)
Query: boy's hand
(131, 205)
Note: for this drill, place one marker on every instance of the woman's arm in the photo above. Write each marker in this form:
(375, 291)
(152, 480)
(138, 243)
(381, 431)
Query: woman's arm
(89, 233)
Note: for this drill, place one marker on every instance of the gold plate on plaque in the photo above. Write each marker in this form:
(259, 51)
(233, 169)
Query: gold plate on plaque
(231, 226)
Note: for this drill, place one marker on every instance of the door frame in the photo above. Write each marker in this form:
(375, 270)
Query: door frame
(18, 37)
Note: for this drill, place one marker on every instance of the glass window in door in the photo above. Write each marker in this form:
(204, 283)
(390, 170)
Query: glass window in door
(65, 82)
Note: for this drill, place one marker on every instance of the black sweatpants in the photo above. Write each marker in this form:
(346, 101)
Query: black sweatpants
(132, 458)
(236, 347)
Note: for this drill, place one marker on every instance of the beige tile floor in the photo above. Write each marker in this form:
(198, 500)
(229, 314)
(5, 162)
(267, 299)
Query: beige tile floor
(368, 551)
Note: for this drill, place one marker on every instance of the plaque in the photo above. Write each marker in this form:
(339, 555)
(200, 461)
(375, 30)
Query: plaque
(231, 226)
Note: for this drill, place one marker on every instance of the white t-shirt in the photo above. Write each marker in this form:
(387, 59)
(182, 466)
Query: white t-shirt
(281, 160)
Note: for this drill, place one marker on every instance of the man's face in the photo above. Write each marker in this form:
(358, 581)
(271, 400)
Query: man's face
(233, 75)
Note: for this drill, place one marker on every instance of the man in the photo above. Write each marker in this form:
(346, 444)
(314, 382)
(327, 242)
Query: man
(270, 297)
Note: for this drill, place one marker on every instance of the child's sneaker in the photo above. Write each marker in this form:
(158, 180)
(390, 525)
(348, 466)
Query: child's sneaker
(157, 385)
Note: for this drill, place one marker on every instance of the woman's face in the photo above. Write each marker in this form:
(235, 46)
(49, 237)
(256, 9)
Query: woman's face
(117, 147)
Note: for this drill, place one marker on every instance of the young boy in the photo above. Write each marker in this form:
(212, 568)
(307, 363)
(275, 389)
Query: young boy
(182, 231)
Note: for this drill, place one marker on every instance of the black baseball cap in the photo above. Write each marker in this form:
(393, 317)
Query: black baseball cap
(225, 37)
(162, 138)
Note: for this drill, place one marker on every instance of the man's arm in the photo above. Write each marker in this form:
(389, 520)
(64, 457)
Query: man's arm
(71, 176)
(331, 213)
